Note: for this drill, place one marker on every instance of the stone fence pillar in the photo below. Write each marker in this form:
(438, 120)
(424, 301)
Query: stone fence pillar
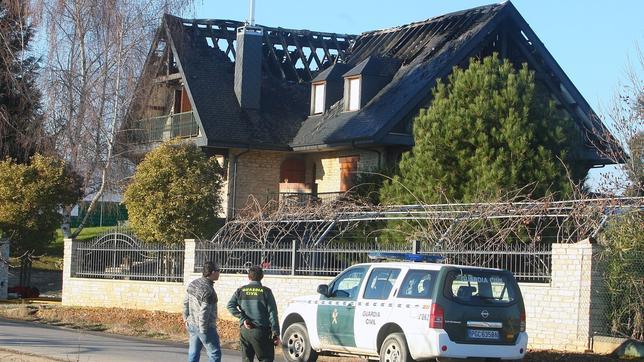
(69, 265)
(189, 259)
(563, 315)
(4, 268)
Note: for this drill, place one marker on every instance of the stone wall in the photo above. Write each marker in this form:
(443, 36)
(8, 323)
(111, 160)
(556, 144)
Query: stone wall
(4, 268)
(559, 314)
(258, 173)
(284, 288)
(327, 167)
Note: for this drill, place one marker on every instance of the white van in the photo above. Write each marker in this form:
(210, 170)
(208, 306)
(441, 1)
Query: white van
(405, 311)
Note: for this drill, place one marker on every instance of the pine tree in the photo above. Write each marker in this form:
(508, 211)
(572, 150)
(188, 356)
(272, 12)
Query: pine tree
(21, 132)
(489, 130)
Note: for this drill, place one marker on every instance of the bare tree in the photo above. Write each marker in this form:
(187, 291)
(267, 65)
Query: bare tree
(488, 226)
(96, 51)
(626, 113)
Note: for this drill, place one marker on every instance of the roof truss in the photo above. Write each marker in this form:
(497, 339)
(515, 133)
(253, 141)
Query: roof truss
(295, 55)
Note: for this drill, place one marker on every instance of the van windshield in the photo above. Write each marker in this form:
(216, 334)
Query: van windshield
(480, 287)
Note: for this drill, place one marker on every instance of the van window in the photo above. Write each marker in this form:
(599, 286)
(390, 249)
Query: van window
(418, 284)
(480, 287)
(348, 283)
(380, 283)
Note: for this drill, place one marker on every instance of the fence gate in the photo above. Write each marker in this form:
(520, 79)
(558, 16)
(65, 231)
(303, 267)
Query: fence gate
(118, 254)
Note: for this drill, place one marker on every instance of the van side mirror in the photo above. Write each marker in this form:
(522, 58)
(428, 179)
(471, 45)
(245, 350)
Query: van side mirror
(323, 289)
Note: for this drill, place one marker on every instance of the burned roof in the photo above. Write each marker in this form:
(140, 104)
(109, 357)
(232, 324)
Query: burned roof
(427, 50)
(375, 66)
(418, 54)
(291, 58)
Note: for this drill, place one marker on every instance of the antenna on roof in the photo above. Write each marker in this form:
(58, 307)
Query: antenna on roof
(251, 14)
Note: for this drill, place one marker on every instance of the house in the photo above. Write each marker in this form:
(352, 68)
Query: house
(297, 112)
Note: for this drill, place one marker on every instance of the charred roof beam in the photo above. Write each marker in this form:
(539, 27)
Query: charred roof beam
(294, 44)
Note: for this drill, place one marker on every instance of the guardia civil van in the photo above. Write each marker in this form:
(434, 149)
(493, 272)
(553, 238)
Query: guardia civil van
(406, 311)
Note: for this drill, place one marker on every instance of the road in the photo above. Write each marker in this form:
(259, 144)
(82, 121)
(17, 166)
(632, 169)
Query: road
(82, 346)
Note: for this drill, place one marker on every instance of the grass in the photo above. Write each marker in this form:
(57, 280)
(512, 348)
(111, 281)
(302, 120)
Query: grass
(88, 233)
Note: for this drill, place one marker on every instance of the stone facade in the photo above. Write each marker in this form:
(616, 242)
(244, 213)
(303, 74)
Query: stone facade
(559, 315)
(327, 167)
(4, 268)
(258, 173)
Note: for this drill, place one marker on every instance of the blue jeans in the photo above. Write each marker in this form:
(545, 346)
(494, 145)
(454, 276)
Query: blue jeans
(210, 340)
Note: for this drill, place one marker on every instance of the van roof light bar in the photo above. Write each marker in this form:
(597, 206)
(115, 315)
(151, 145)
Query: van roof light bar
(426, 258)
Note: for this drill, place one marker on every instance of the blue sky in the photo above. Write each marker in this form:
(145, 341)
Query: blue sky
(591, 40)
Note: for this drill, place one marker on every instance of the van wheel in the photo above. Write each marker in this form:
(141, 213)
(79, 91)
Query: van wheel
(296, 345)
(394, 349)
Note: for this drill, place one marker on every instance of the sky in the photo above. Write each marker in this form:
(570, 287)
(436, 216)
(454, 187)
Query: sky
(593, 41)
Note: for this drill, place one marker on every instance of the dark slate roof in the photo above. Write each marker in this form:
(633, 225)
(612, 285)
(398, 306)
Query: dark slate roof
(336, 71)
(417, 54)
(376, 66)
(209, 75)
(427, 50)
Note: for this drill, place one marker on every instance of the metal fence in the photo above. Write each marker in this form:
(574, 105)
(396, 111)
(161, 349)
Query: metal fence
(306, 198)
(529, 263)
(118, 254)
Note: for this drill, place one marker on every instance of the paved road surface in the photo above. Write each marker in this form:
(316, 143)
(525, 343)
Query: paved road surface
(82, 346)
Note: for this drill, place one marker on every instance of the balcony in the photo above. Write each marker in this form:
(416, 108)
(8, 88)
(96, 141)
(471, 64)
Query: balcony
(305, 198)
(159, 129)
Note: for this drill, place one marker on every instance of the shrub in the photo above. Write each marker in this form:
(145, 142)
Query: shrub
(31, 197)
(174, 194)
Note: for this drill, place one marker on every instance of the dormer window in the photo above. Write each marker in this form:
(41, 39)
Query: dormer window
(318, 92)
(365, 79)
(353, 91)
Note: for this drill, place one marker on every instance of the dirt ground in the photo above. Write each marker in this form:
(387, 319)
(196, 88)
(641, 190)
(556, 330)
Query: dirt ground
(169, 326)
(14, 356)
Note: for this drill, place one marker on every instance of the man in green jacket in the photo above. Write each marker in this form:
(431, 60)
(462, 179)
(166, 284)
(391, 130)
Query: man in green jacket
(254, 305)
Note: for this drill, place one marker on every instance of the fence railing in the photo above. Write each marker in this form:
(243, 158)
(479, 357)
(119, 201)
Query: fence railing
(529, 263)
(118, 254)
(161, 128)
(305, 198)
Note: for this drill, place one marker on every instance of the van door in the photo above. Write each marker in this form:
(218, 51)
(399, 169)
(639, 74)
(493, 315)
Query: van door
(374, 307)
(336, 313)
(480, 306)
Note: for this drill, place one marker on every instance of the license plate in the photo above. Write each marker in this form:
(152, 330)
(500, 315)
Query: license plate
(482, 334)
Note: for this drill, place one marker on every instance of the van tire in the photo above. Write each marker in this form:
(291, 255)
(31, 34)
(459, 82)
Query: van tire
(296, 345)
(394, 349)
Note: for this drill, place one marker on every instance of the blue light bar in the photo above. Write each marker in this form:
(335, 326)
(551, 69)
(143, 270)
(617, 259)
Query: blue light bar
(427, 258)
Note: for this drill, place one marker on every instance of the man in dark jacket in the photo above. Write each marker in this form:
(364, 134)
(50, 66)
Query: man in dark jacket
(200, 315)
(254, 305)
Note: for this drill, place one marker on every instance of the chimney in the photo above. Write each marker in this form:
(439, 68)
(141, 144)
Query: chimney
(248, 66)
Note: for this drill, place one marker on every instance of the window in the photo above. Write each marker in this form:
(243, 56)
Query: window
(348, 284)
(354, 94)
(418, 284)
(318, 98)
(380, 283)
(480, 287)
